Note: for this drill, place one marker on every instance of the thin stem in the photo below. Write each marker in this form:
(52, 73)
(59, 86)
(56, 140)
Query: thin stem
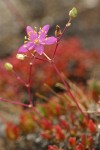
(41, 59)
(28, 85)
(37, 112)
(44, 98)
(48, 58)
(66, 27)
(19, 78)
(59, 38)
(68, 90)
(49, 88)
(22, 105)
(55, 50)
(14, 102)
(37, 58)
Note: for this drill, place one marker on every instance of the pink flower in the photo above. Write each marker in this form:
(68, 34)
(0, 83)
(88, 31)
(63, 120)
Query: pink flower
(36, 41)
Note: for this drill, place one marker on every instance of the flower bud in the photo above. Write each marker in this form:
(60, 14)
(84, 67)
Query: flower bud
(58, 31)
(73, 12)
(20, 56)
(8, 66)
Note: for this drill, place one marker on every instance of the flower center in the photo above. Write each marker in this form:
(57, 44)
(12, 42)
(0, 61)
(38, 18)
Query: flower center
(36, 41)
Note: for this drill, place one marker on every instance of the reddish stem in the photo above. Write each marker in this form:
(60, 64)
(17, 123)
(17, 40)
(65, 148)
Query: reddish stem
(37, 58)
(14, 102)
(28, 85)
(22, 105)
(19, 78)
(59, 38)
(41, 59)
(55, 50)
(68, 90)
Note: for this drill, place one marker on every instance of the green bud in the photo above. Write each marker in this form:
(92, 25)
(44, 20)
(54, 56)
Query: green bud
(8, 66)
(20, 56)
(73, 12)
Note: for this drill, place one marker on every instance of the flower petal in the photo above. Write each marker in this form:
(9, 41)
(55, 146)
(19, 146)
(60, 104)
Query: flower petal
(50, 40)
(24, 48)
(39, 48)
(43, 32)
(32, 34)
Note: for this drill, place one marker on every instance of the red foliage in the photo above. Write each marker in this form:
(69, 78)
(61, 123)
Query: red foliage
(92, 126)
(12, 131)
(80, 146)
(45, 124)
(64, 124)
(72, 141)
(53, 147)
(46, 135)
(70, 58)
(26, 123)
(59, 133)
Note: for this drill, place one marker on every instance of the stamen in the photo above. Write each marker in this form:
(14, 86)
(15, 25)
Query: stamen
(36, 41)
(28, 33)
(47, 56)
(42, 30)
(25, 42)
(36, 29)
(46, 38)
(25, 37)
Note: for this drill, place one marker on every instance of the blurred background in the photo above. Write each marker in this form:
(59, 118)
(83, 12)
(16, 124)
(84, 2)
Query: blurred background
(75, 57)
(16, 14)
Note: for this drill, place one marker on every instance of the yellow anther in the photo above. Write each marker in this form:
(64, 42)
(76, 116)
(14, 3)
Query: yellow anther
(25, 42)
(28, 34)
(25, 37)
(36, 41)
(36, 29)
